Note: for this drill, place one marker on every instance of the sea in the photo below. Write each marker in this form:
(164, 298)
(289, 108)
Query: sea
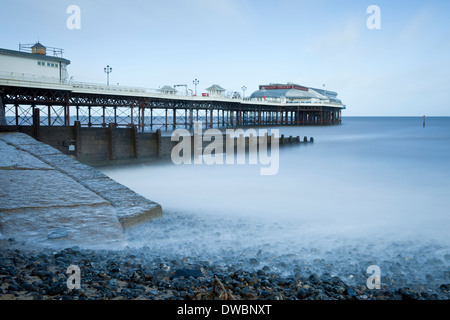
(372, 191)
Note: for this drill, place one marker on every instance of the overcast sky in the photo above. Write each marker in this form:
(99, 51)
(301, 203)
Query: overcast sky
(401, 69)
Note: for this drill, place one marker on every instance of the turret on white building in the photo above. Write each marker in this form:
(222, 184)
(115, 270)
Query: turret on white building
(32, 61)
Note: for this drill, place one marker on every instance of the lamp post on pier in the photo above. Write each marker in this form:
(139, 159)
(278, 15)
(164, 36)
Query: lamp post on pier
(107, 70)
(195, 82)
(243, 91)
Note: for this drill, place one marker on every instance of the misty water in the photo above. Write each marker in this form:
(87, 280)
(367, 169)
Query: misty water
(372, 191)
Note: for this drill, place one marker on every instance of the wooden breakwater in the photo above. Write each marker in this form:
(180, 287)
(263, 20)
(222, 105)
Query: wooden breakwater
(112, 145)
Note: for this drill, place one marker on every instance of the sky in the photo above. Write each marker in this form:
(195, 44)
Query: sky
(401, 69)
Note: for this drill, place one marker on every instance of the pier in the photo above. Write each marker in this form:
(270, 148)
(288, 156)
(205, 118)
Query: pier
(97, 122)
(104, 124)
(101, 125)
(94, 105)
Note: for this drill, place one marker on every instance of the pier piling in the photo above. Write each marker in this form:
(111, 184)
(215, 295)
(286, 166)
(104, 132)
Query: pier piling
(36, 123)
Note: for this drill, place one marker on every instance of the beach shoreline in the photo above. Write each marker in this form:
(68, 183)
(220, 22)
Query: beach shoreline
(35, 273)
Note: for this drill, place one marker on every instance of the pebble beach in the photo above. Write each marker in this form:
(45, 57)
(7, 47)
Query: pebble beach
(28, 273)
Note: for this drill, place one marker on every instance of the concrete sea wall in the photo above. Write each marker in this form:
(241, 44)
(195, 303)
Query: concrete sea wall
(49, 197)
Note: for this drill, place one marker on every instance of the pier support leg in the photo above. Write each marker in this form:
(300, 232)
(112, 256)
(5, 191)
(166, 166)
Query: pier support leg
(151, 119)
(174, 119)
(211, 117)
(158, 143)
(36, 123)
(67, 115)
(142, 122)
(104, 117)
(165, 122)
(131, 115)
(111, 153)
(2, 113)
(134, 141)
(77, 136)
(16, 109)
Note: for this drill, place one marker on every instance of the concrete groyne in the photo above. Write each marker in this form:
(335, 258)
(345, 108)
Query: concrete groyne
(47, 196)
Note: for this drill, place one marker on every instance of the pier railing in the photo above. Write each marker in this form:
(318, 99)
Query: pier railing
(20, 79)
(93, 104)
